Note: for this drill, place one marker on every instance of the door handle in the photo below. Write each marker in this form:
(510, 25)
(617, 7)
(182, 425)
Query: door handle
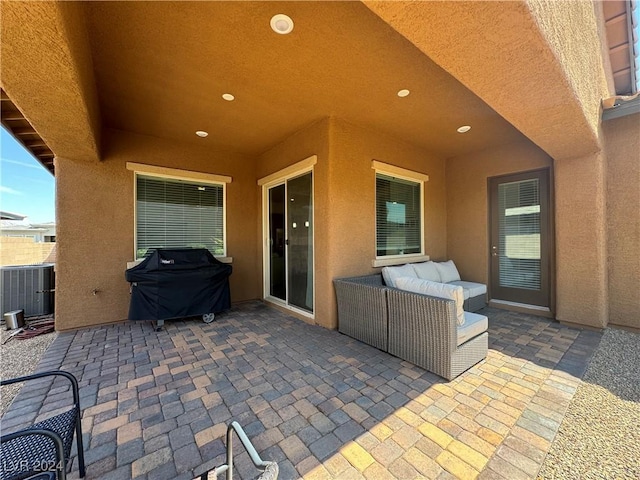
(494, 251)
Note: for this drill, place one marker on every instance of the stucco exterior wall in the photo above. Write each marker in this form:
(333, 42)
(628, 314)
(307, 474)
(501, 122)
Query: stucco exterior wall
(95, 212)
(311, 140)
(352, 192)
(581, 271)
(468, 202)
(622, 144)
(567, 28)
(344, 208)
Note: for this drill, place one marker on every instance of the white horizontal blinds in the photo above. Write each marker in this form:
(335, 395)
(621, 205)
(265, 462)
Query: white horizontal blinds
(519, 234)
(398, 216)
(175, 214)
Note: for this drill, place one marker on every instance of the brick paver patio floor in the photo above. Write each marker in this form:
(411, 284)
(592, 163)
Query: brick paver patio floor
(324, 406)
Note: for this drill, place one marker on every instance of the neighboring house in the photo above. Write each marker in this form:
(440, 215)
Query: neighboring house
(16, 225)
(24, 243)
(335, 149)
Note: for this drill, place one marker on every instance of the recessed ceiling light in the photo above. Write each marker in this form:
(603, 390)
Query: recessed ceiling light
(464, 129)
(403, 93)
(228, 97)
(281, 24)
(202, 133)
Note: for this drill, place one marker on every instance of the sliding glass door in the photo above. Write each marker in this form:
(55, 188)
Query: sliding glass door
(289, 263)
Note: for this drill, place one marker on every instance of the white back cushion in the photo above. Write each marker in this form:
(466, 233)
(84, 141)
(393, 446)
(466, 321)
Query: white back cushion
(435, 289)
(448, 271)
(391, 274)
(427, 271)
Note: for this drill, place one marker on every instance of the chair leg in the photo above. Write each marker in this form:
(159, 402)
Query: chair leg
(79, 444)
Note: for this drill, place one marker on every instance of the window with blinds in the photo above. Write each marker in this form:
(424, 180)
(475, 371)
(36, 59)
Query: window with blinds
(519, 234)
(174, 213)
(398, 216)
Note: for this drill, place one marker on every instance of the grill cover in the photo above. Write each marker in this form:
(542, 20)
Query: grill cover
(178, 283)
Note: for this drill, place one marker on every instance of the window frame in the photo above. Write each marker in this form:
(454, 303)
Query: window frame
(392, 171)
(185, 176)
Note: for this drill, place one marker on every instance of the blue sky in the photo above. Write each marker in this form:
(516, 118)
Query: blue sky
(26, 187)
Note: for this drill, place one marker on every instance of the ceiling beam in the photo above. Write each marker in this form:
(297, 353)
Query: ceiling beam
(25, 132)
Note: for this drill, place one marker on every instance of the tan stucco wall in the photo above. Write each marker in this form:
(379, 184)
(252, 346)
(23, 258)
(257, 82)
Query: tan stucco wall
(308, 141)
(549, 87)
(25, 251)
(95, 212)
(352, 193)
(96, 242)
(468, 202)
(581, 271)
(344, 209)
(568, 27)
(622, 144)
(353, 148)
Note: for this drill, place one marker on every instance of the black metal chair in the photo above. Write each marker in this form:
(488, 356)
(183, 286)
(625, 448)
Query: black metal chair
(44, 446)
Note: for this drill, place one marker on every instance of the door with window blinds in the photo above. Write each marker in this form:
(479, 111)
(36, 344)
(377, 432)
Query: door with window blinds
(520, 236)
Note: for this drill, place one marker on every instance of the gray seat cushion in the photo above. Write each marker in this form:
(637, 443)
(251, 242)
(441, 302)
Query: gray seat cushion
(471, 289)
(474, 325)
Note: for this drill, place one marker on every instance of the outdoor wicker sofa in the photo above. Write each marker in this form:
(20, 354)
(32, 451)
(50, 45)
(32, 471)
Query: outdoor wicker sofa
(419, 328)
(475, 294)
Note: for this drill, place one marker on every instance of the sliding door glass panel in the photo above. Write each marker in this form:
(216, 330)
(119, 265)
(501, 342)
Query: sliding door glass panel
(277, 239)
(300, 241)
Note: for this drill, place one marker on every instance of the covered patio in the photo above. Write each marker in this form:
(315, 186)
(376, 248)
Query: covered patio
(134, 98)
(156, 404)
(440, 104)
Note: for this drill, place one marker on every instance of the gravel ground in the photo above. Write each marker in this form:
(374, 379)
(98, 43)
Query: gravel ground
(600, 435)
(17, 358)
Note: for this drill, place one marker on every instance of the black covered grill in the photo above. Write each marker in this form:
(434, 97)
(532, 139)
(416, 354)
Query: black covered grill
(177, 283)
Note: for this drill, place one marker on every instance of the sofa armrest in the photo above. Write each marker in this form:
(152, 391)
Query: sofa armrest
(362, 309)
(422, 329)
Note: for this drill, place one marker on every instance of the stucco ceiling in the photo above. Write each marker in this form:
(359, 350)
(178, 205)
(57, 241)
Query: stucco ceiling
(161, 68)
